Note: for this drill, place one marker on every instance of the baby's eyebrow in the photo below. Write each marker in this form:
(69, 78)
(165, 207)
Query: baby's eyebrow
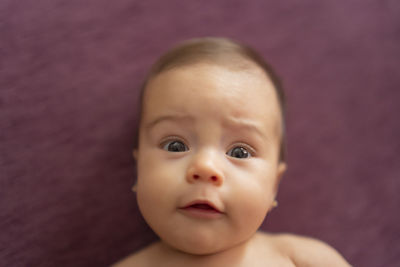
(244, 124)
(173, 118)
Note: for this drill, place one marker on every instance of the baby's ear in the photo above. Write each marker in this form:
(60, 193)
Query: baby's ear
(135, 157)
(134, 187)
(282, 166)
(135, 154)
(279, 174)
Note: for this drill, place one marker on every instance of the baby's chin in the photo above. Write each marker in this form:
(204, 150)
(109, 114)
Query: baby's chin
(202, 246)
(197, 249)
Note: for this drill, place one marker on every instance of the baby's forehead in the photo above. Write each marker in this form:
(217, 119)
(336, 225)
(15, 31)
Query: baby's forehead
(237, 64)
(241, 92)
(244, 81)
(203, 70)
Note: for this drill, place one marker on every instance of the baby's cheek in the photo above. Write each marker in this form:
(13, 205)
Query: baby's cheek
(152, 184)
(157, 178)
(251, 208)
(152, 195)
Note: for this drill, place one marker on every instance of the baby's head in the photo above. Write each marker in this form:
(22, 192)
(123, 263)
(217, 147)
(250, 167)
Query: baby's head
(225, 53)
(210, 151)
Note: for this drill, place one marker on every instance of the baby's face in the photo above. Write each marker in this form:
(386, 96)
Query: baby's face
(208, 136)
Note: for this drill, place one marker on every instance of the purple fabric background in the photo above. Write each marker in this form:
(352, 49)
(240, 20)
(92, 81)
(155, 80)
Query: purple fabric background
(69, 78)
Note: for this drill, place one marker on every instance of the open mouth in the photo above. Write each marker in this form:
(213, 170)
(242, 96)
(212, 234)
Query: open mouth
(204, 207)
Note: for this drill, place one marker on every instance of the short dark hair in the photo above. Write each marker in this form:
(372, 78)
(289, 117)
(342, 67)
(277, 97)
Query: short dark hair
(222, 51)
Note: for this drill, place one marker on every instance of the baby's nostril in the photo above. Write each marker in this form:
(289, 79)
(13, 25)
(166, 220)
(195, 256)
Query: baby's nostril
(195, 176)
(214, 178)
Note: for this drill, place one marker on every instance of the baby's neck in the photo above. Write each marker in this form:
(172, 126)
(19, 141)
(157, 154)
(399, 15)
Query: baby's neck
(234, 256)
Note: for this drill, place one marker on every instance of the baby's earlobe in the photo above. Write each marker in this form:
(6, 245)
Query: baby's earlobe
(134, 188)
(279, 173)
(281, 169)
(135, 154)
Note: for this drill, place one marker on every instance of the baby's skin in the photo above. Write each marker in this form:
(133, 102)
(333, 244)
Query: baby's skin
(209, 170)
(262, 250)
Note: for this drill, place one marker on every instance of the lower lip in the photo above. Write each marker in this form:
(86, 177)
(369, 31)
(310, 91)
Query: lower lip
(202, 214)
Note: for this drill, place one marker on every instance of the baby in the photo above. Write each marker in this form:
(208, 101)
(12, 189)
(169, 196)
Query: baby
(210, 156)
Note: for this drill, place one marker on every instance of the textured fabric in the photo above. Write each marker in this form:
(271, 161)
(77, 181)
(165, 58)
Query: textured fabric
(69, 78)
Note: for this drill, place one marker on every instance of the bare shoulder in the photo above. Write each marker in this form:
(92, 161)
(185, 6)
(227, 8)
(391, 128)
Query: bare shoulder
(305, 251)
(141, 258)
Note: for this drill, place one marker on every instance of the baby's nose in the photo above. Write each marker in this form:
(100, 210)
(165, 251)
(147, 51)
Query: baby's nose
(205, 168)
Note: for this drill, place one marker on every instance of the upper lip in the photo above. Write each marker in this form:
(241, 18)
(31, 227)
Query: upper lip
(204, 202)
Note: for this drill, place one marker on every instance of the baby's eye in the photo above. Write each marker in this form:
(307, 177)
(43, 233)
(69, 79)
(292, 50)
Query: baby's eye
(239, 152)
(174, 146)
